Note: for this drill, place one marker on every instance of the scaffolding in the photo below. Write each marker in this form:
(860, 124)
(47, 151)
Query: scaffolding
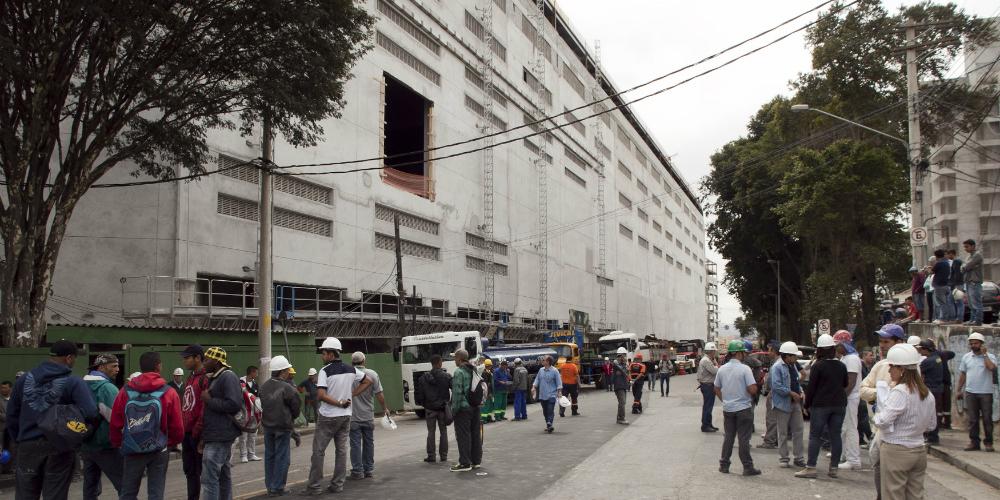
(541, 164)
(602, 230)
(487, 128)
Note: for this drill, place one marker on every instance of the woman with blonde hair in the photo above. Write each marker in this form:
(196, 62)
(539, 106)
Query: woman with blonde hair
(906, 412)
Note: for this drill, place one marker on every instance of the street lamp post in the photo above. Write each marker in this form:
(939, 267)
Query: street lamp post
(777, 307)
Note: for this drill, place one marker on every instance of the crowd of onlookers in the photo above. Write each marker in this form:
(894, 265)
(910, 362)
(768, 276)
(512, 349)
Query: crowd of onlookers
(942, 289)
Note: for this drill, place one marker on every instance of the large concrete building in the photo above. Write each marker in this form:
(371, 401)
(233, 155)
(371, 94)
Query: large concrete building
(961, 193)
(185, 253)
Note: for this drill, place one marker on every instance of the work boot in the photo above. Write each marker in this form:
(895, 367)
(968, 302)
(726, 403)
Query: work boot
(751, 471)
(807, 473)
(833, 472)
(972, 447)
(431, 460)
(724, 469)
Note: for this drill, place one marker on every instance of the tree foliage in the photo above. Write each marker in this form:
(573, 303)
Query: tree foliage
(87, 85)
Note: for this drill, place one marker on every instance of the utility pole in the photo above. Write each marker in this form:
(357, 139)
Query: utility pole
(914, 153)
(401, 293)
(264, 278)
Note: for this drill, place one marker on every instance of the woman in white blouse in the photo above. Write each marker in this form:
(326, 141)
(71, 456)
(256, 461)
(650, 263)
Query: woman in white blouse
(905, 413)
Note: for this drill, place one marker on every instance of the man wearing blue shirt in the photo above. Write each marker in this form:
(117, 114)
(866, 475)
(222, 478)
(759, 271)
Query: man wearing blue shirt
(975, 385)
(944, 310)
(736, 386)
(547, 388)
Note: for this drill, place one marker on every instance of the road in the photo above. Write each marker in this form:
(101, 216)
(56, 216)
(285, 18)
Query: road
(661, 455)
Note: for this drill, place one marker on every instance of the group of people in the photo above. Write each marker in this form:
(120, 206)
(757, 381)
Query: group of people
(906, 389)
(942, 288)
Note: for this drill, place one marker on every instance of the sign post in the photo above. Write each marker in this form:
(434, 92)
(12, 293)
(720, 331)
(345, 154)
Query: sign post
(823, 327)
(918, 236)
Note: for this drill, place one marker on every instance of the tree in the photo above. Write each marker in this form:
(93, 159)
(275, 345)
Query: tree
(89, 85)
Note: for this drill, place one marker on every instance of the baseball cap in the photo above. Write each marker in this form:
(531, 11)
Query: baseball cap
(913, 269)
(891, 331)
(927, 344)
(193, 350)
(103, 359)
(62, 348)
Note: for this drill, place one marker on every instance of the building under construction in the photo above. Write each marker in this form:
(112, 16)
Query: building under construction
(558, 216)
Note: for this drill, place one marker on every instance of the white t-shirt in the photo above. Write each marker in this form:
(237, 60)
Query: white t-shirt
(853, 364)
(338, 379)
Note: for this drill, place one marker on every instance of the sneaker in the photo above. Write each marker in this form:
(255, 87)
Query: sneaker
(334, 489)
(356, 476)
(477, 466)
(751, 472)
(854, 467)
(369, 475)
(833, 472)
(714, 428)
(829, 455)
(807, 473)
(460, 468)
(800, 464)
(431, 460)
(724, 469)
(623, 422)
(311, 492)
(549, 429)
(709, 429)
(243, 460)
(971, 447)
(255, 459)
(785, 465)
(767, 446)
(444, 458)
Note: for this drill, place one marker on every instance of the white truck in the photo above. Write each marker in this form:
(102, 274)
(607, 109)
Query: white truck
(415, 357)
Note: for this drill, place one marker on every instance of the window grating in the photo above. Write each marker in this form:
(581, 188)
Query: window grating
(642, 215)
(571, 119)
(247, 209)
(480, 265)
(412, 29)
(531, 32)
(624, 231)
(473, 77)
(575, 158)
(669, 258)
(383, 212)
(537, 151)
(601, 280)
(623, 137)
(231, 167)
(537, 128)
(656, 201)
(536, 85)
(480, 243)
(573, 81)
(408, 58)
(479, 30)
(624, 170)
(576, 178)
(644, 243)
(477, 108)
(284, 183)
(627, 203)
(657, 252)
(657, 227)
(407, 247)
(642, 187)
(604, 115)
(605, 152)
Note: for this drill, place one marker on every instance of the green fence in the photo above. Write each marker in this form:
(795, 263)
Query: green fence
(15, 359)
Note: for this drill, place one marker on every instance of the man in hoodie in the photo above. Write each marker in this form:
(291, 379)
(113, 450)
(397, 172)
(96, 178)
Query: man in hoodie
(280, 404)
(43, 470)
(222, 399)
(98, 454)
(434, 389)
(146, 447)
(192, 409)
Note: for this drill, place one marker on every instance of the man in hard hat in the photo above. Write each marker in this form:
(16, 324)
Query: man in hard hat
(280, 403)
(177, 381)
(786, 403)
(502, 383)
(570, 374)
(619, 382)
(637, 373)
(735, 385)
(520, 390)
(223, 399)
(336, 388)
(486, 410)
(309, 388)
(888, 336)
(849, 437)
(977, 371)
(707, 369)
(363, 421)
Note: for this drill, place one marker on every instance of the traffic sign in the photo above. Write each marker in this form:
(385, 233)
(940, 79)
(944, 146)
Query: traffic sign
(918, 236)
(824, 327)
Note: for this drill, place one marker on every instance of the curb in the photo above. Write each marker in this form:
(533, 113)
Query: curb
(985, 475)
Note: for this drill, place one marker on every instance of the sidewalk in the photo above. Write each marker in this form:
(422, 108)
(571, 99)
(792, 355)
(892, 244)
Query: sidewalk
(985, 466)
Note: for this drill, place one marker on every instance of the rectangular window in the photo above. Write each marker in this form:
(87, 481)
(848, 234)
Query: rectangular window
(656, 201)
(680, 245)
(687, 270)
(575, 158)
(642, 215)
(657, 227)
(405, 137)
(479, 242)
(419, 34)
(670, 260)
(623, 138)
(478, 109)
(472, 76)
(601, 148)
(537, 151)
(601, 280)
(669, 236)
(407, 247)
(657, 252)
(644, 243)
(603, 110)
(624, 170)
(386, 213)
(627, 203)
(537, 128)
(249, 210)
(573, 81)
(642, 187)
(572, 120)
(478, 264)
(477, 29)
(679, 265)
(624, 231)
(536, 85)
(576, 178)
(403, 55)
(531, 32)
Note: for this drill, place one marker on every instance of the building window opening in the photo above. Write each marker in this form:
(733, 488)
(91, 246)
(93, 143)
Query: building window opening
(405, 137)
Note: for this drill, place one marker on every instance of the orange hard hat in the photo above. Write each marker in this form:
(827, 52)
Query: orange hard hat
(638, 356)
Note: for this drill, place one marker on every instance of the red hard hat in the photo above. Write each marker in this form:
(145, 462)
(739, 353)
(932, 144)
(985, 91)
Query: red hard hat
(638, 356)
(843, 336)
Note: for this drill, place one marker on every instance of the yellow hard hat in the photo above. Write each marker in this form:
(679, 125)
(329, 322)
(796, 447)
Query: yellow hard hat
(488, 362)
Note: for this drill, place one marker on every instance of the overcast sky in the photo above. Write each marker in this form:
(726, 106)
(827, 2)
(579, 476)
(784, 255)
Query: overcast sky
(642, 39)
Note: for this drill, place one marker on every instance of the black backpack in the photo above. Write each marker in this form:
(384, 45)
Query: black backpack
(478, 390)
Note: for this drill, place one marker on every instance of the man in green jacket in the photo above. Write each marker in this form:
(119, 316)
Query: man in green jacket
(97, 453)
(468, 425)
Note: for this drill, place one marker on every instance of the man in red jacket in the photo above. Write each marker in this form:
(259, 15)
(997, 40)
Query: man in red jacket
(192, 408)
(145, 422)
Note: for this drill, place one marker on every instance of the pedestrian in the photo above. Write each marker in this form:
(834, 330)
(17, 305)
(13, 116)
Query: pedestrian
(917, 278)
(707, 368)
(177, 381)
(44, 469)
(932, 372)
(222, 400)
(735, 385)
(468, 425)
(665, 370)
(944, 310)
(850, 440)
(98, 454)
(904, 416)
(607, 371)
(570, 376)
(826, 401)
(502, 384)
(335, 390)
(547, 389)
(977, 372)
(972, 278)
(956, 283)
(6, 388)
(620, 381)
(248, 438)
(770, 417)
(279, 401)
(363, 420)
(145, 422)
(889, 335)
(651, 374)
(520, 390)
(865, 433)
(309, 389)
(192, 411)
(786, 399)
(434, 391)
(945, 418)
(637, 374)
(296, 437)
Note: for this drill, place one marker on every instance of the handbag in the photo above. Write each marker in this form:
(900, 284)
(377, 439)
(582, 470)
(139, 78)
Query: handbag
(449, 416)
(957, 294)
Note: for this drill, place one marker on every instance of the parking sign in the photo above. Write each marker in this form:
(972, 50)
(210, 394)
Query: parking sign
(823, 327)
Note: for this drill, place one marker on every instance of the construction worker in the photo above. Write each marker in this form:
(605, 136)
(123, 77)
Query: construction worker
(619, 381)
(735, 385)
(637, 372)
(486, 410)
(503, 383)
(570, 374)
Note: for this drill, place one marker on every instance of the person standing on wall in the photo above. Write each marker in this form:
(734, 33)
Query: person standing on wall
(972, 277)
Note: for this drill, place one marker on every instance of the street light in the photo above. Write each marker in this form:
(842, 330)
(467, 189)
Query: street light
(777, 307)
(805, 107)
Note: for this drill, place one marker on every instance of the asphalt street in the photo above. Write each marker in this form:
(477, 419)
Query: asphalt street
(662, 455)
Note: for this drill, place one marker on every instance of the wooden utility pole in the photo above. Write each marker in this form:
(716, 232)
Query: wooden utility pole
(264, 278)
(401, 293)
(914, 153)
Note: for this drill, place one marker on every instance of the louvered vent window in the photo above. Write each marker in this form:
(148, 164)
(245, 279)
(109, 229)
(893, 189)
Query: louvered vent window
(407, 247)
(575, 158)
(247, 209)
(401, 20)
(642, 215)
(479, 242)
(284, 183)
(627, 203)
(233, 167)
(403, 55)
(644, 243)
(411, 221)
(480, 265)
(624, 231)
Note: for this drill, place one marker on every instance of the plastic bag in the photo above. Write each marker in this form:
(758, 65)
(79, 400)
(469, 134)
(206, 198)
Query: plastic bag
(388, 423)
(564, 402)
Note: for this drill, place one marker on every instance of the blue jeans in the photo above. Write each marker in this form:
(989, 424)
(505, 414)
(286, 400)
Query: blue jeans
(822, 420)
(974, 291)
(154, 466)
(216, 476)
(276, 459)
(549, 410)
(362, 447)
(959, 305)
(520, 404)
(918, 302)
(708, 402)
(944, 310)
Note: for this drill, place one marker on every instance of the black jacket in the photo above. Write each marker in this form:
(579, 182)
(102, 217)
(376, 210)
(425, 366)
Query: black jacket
(433, 390)
(932, 368)
(219, 424)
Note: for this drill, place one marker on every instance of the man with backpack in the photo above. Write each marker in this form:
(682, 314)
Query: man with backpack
(98, 454)
(467, 394)
(145, 421)
(280, 402)
(192, 410)
(434, 394)
(47, 394)
(248, 419)
(222, 401)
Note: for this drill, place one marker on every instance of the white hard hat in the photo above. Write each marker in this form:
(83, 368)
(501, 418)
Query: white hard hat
(710, 346)
(518, 361)
(977, 336)
(331, 344)
(605, 358)
(789, 348)
(825, 340)
(279, 363)
(621, 350)
(799, 354)
(913, 340)
(312, 371)
(178, 371)
(903, 355)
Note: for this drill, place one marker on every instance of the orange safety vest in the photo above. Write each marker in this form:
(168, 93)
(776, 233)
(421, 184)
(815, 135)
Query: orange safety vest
(636, 370)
